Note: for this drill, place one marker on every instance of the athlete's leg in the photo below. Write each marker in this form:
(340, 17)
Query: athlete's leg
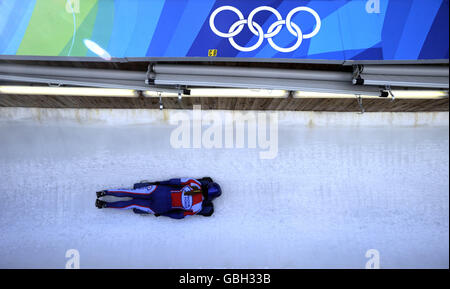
(143, 192)
(141, 204)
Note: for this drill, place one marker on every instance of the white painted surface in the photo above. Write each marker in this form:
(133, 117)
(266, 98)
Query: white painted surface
(342, 184)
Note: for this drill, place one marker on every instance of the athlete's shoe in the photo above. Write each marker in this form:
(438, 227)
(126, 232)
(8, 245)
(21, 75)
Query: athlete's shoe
(101, 194)
(100, 204)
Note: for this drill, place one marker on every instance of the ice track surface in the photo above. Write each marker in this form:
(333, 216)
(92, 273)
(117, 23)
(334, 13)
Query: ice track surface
(343, 183)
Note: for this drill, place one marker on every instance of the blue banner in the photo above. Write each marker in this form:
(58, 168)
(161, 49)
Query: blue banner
(255, 29)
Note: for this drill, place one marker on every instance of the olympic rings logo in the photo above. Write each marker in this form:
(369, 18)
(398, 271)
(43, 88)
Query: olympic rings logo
(256, 29)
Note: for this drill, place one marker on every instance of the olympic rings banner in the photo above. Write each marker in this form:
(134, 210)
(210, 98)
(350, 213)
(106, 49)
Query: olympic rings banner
(341, 30)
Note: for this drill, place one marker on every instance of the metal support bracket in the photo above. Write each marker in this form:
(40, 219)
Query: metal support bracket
(356, 75)
(357, 69)
(161, 106)
(388, 88)
(54, 84)
(359, 100)
(180, 92)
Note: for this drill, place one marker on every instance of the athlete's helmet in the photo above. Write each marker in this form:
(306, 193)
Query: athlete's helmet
(214, 191)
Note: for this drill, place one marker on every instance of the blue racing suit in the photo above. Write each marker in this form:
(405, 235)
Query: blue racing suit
(167, 198)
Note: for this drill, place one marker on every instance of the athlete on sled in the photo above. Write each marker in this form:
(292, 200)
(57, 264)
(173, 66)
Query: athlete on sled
(175, 198)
